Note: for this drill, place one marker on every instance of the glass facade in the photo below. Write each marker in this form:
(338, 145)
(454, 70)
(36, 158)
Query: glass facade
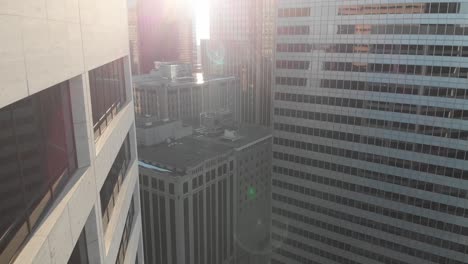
(370, 129)
(37, 158)
(108, 93)
(111, 187)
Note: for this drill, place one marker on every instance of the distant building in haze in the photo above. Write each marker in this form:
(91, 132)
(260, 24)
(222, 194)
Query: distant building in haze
(166, 32)
(173, 93)
(241, 44)
(133, 37)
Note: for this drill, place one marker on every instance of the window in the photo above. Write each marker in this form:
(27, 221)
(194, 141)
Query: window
(111, 187)
(294, 12)
(400, 8)
(37, 158)
(80, 252)
(108, 95)
(126, 234)
(293, 30)
(397, 29)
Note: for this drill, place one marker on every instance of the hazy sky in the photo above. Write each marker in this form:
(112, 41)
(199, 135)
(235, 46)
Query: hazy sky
(201, 9)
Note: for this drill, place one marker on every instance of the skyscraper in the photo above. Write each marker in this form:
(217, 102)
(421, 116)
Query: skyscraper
(370, 129)
(241, 44)
(68, 172)
(166, 32)
(133, 37)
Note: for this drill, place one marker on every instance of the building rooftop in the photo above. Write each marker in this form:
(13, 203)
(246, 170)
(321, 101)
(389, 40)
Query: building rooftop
(156, 79)
(190, 151)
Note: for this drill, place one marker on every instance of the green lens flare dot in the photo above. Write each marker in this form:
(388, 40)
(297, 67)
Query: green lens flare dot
(252, 192)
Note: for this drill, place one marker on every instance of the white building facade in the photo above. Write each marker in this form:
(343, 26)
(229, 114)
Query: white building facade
(69, 184)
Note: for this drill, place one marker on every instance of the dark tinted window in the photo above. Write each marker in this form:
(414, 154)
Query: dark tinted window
(111, 188)
(126, 234)
(107, 86)
(37, 157)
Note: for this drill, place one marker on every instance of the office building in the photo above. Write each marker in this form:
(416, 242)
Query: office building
(370, 129)
(133, 37)
(241, 44)
(68, 166)
(206, 198)
(172, 92)
(166, 32)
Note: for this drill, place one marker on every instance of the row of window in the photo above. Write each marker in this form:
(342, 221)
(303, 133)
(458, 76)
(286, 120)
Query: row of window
(38, 154)
(396, 49)
(381, 29)
(379, 142)
(209, 176)
(336, 243)
(378, 159)
(392, 196)
(155, 227)
(293, 30)
(309, 249)
(297, 65)
(400, 8)
(384, 106)
(421, 185)
(108, 93)
(275, 261)
(300, 259)
(79, 254)
(37, 159)
(434, 71)
(395, 88)
(111, 188)
(376, 241)
(408, 217)
(403, 29)
(374, 123)
(291, 81)
(219, 225)
(156, 184)
(410, 234)
(294, 12)
(379, 87)
(126, 234)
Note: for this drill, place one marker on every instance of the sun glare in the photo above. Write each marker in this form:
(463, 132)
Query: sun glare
(201, 8)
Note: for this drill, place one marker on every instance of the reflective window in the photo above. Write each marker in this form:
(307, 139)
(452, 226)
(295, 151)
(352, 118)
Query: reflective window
(108, 95)
(111, 188)
(400, 8)
(37, 158)
(80, 251)
(126, 234)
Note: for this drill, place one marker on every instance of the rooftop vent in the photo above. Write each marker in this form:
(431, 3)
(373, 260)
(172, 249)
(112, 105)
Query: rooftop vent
(231, 135)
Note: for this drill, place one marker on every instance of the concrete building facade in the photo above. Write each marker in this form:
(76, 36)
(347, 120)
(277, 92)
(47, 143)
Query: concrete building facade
(177, 95)
(69, 185)
(206, 199)
(370, 129)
